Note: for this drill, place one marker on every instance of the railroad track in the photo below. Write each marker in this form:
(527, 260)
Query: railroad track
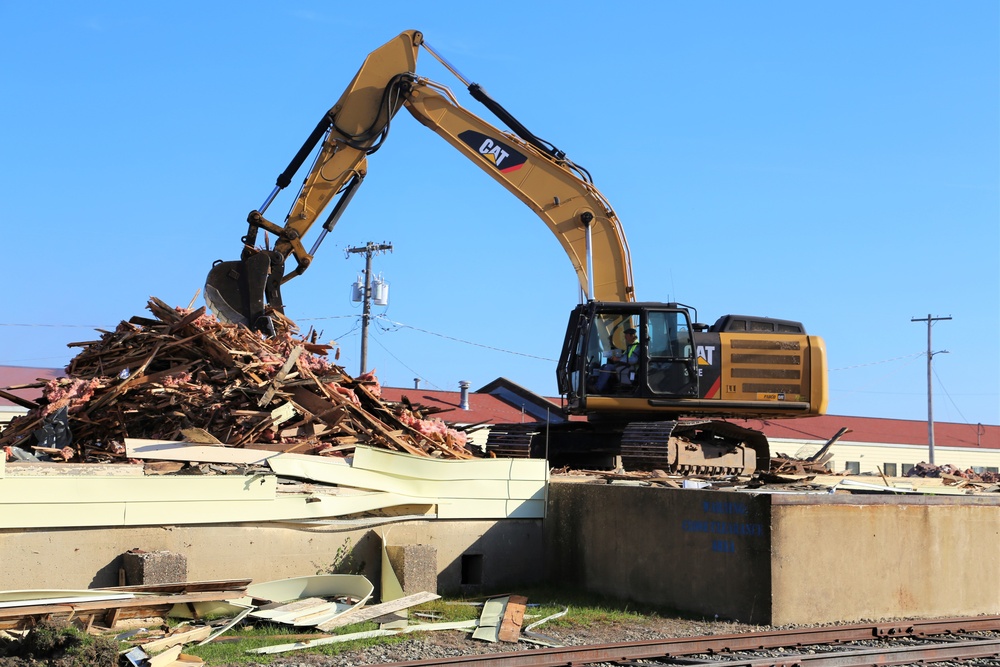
(925, 642)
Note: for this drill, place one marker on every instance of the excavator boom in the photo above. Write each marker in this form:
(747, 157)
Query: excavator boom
(540, 176)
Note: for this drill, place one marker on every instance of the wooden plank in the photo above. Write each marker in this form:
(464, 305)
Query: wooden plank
(111, 618)
(199, 436)
(123, 386)
(324, 410)
(362, 614)
(166, 658)
(17, 400)
(280, 447)
(139, 602)
(178, 639)
(513, 617)
(288, 613)
(185, 660)
(275, 383)
(186, 586)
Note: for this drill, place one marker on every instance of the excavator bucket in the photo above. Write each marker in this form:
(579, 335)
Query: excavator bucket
(247, 290)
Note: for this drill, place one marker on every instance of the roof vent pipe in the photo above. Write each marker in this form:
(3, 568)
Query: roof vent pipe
(416, 383)
(463, 401)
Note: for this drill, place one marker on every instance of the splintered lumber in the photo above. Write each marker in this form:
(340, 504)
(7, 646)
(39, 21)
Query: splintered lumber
(142, 606)
(178, 639)
(782, 464)
(185, 376)
(165, 659)
(829, 443)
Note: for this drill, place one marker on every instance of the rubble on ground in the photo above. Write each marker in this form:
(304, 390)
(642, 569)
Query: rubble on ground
(949, 472)
(184, 375)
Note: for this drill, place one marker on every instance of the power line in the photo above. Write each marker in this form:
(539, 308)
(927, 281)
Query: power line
(466, 342)
(403, 363)
(887, 375)
(328, 317)
(876, 363)
(950, 399)
(62, 326)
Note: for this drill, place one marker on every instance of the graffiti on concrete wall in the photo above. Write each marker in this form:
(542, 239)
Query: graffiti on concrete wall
(727, 524)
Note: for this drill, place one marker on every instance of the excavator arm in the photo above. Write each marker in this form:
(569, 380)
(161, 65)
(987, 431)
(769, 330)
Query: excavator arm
(571, 207)
(557, 190)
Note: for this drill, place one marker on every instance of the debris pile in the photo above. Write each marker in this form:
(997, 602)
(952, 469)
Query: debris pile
(187, 376)
(139, 623)
(952, 474)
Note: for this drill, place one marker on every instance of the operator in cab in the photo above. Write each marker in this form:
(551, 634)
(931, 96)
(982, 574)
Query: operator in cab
(621, 364)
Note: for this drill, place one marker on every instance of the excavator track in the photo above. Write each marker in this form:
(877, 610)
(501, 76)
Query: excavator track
(511, 440)
(679, 447)
(693, 448)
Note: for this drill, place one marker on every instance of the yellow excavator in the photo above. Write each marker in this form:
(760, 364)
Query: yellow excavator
(654, 384)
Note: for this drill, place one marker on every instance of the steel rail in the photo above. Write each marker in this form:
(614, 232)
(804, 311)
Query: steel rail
(867, 657)
(716, 644)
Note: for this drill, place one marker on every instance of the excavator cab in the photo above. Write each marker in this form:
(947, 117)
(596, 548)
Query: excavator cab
(602, 365)
(758, 367)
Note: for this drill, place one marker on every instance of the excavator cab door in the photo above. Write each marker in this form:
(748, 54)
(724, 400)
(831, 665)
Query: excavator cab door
(574, 363)
(671, 361)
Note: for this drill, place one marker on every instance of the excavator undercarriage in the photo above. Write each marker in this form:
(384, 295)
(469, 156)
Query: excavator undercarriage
(716, 448)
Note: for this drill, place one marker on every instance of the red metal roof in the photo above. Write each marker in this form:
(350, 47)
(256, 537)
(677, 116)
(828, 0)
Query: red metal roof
(12, 376)
(482, 407)
(883, 431)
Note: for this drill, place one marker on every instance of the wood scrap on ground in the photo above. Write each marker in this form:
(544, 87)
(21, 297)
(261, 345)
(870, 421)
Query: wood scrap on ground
(186, 373)
(782, 464)
(107, 612)
(362, 614)
(513, 617)
(952, 475)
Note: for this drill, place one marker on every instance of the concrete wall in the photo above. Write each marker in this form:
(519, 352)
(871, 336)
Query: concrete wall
(88, 558)
(758, 558)
(777, 559)
(701, 552)
(846, 558)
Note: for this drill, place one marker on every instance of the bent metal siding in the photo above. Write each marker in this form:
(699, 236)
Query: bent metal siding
(777, 558)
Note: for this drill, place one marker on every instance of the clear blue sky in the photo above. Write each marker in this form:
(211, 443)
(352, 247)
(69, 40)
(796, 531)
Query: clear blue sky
(829, 162)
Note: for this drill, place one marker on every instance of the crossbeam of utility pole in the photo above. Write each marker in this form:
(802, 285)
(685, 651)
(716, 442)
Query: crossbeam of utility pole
(369, 250)
(930, 399)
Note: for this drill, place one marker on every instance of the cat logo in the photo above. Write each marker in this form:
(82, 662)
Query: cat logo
(705, 354)
(500, 155)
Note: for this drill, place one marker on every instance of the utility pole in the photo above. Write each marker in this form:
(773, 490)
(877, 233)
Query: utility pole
(930, 400)
(370, 250)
